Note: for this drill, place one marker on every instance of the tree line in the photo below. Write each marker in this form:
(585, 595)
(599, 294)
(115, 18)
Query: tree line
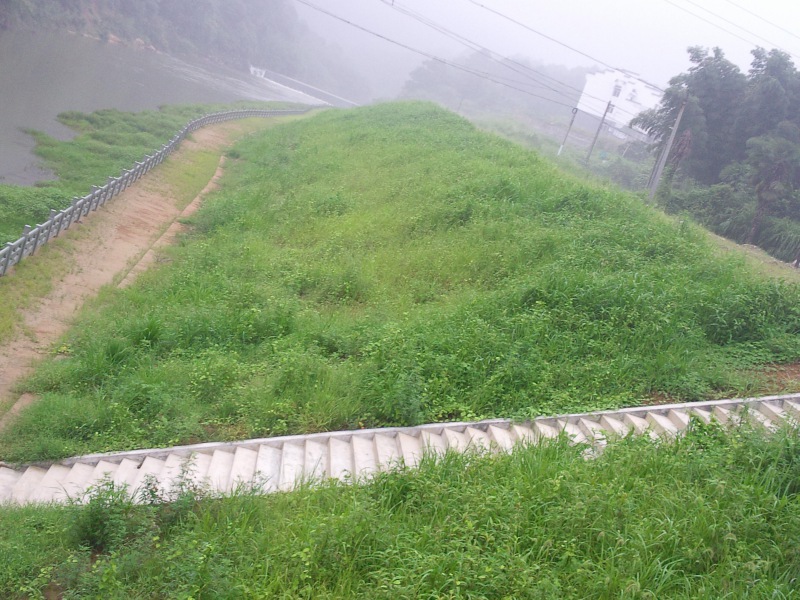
(735, 164)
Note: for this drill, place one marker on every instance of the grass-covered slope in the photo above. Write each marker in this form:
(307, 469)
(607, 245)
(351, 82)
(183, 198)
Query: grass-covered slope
(106, 142)
(392, 265)
(713, 516)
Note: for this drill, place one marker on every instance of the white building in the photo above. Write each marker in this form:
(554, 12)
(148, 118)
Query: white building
(628, 95)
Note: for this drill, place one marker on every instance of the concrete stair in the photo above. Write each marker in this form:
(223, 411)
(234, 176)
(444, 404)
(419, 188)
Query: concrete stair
(281, 464)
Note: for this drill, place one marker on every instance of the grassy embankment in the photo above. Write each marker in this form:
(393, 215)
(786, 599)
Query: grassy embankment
(713, 516)
(106, 142)
(392, 265)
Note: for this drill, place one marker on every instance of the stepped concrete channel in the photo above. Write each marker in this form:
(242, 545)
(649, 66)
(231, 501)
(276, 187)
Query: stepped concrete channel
(282, 463)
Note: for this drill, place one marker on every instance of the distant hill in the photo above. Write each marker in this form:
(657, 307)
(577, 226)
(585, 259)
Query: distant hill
(239, 33)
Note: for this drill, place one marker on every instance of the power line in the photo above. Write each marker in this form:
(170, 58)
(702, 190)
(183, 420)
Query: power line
(721, 18)
(728, 31)
(506, 62)
(544, 35)
(696, 16)
(757, 16)
(474, 72)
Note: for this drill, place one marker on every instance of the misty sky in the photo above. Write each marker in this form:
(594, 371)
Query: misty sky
(648, 37)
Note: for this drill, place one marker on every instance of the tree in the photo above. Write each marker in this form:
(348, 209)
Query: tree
(773, 96)
(745, 131)
(775, 162)
(713, 89)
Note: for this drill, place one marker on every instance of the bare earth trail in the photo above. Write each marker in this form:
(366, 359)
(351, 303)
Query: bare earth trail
(111, 246)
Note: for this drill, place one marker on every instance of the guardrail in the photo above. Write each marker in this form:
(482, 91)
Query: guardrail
(34, 238)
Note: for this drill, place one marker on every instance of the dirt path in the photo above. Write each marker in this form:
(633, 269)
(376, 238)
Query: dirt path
(111, 246)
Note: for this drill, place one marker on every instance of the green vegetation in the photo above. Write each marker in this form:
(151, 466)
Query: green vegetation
(392, 265)
(108, 141)
(736, 160)
(33, 277)
(714, 515)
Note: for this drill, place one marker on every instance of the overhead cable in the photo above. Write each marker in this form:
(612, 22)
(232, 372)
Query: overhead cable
(507, 62)
(433, 57)
(757, 16)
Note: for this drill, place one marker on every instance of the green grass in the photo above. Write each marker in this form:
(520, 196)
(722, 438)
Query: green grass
(107, 142)
(715, 515)
(392, 265)
(33, 278)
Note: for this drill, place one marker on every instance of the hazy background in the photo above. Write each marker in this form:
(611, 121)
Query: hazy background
(564, 40)
(647, 37)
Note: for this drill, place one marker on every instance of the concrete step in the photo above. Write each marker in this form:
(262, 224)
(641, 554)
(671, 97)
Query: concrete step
(411, 448)
(146, 473)
(268, 468)
(315, 463)
(617, 426)
(219, 471)
(243, 469)
(792, 408)
(433, 443)
(340, 459)
(365, 462)
(27, 484)
(456, 440)
(705, 416)
(74, 483)
(540, 432)
(170, 475)
(479, 439)
(196, 467)
(572, 431)
(504, 439)
(723, 415)
(640, 426)
(126, 473)
(680, 418)
(387, 453)
(595, 432)
(280, 464)
(662, 425)
(103, 471)
(773, 412)
(49, 485)
(8, 478)
(292, 463)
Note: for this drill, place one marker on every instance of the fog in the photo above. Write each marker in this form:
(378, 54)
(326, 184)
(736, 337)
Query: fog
(649, 38)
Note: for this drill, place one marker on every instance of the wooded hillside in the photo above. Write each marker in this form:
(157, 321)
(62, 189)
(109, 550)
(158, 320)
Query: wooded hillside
(239, 33)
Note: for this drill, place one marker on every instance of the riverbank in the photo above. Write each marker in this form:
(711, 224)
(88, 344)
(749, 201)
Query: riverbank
(107, 249)
(37, 68)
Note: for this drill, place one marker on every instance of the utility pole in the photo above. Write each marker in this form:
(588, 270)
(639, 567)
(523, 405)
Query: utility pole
(609, 106)
(571, 121)
(662, 160)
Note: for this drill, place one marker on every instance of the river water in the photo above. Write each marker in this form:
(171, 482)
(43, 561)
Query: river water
(44, 74)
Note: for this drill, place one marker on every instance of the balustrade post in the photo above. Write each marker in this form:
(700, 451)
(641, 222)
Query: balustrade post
(37, 236)
(26, 231)
(6, 262)
(52, 219)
